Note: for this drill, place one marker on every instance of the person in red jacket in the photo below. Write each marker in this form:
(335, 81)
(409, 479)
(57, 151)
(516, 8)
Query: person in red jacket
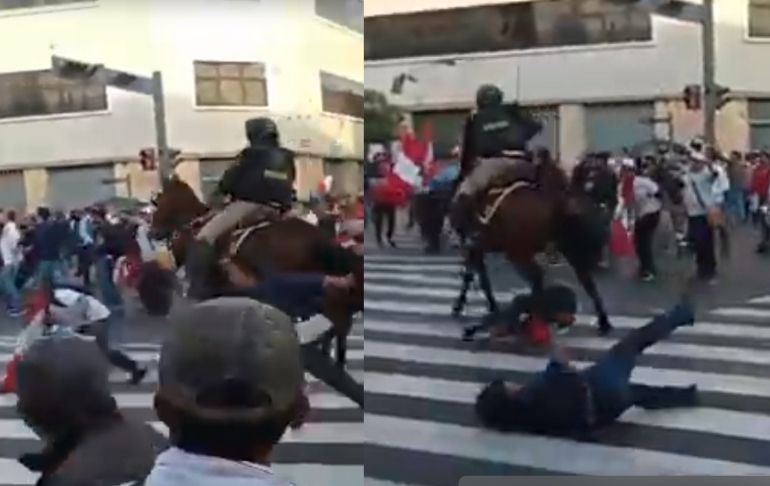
(760, 185)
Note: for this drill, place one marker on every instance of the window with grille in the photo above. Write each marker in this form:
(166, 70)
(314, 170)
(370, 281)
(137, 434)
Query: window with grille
(510, 26)
(34, 93)
(341, 95)
(10, 4)
(349, 13)
(759, 18)
(230, 84)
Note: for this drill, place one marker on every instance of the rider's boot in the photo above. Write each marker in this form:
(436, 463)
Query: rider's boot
(199, 262)
(467, 217)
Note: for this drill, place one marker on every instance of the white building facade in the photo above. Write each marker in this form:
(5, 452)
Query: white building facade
(223, 62)
(595, 72)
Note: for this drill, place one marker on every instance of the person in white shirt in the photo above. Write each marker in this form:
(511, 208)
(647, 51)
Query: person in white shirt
(11, 255)
(86, 315)
(647, 202)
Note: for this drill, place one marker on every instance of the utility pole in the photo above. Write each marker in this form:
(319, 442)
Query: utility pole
(710, 88)
(164, 157)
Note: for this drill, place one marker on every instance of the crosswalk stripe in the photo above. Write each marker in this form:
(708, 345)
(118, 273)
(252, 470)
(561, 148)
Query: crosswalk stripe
(313, 433)
(145, 400)
(414, 267)
(543, 452)
(410, 277)
(742, 312)
(434, 292)
(763, 300)
(736, 384)
(664, 348)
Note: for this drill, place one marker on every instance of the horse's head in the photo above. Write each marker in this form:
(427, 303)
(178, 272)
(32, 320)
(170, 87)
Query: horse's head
(175, 206)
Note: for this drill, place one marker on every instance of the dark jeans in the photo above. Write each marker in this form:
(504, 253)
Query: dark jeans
(644, 231)
(701, 236)
(101, 331)
(322, 367)
(85, 261)
(384, 214)
(609, 378)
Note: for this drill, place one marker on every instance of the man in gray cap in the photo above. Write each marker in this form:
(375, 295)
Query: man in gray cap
(260, 185)
(64, 396)
(231, 382)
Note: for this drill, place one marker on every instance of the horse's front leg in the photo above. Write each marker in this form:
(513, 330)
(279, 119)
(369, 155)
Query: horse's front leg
(484, 281)
(462, 298)
(587, 281)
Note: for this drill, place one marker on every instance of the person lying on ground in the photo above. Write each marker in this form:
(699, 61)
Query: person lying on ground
(565, 401)
(64, 396)
(556, 304)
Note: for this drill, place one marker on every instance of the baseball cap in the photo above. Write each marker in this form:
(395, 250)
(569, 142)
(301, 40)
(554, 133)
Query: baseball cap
(231, 359)
(68, 370)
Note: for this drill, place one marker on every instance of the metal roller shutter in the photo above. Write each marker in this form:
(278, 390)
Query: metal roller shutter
(79, 187)
(612, 127)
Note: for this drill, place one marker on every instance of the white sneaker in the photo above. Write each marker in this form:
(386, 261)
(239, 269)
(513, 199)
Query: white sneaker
(312, 329)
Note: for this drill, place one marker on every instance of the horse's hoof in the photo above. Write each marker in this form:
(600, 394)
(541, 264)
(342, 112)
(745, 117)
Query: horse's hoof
(457, 312)
(605, 328)
(468, 334)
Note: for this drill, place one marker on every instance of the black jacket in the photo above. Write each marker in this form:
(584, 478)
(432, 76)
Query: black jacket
(494, 130)
(262, 175)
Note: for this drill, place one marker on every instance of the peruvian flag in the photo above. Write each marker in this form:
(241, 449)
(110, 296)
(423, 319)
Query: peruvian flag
(414, 156)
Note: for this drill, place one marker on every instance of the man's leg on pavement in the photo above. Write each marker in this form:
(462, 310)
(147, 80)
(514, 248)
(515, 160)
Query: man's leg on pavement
(322, 367)
(621, 358)
(660, 397)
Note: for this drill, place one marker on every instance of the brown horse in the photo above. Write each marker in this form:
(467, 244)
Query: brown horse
(289, 245)
(532, 213)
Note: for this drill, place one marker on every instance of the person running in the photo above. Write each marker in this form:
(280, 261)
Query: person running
(565, 401)
(86, 315)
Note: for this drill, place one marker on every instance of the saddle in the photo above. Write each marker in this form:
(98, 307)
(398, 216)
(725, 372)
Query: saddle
(520, 176)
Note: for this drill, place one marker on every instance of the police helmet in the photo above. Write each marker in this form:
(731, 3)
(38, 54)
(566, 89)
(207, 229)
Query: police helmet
(489, 95)
(262, 129)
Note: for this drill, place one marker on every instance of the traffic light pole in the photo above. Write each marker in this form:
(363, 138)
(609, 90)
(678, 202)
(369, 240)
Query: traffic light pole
(159, 107)
(710, 88)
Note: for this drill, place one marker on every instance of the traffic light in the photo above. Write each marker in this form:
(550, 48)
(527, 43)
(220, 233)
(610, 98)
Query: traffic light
(147, 159)
(692, 97)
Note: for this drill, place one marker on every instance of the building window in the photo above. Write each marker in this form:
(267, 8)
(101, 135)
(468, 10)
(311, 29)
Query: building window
(230, 84)
(349, 13)
(759, 122)
(511, 26)
(341, 95)
(10, 4)
(759, 18)
(34, 93)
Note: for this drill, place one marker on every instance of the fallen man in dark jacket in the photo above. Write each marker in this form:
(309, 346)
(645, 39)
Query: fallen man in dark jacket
(568, 402)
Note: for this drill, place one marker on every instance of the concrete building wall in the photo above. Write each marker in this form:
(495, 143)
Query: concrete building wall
(572, 77)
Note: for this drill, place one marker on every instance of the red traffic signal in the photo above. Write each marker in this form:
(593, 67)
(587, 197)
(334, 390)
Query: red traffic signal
(147, 159)
(692, 97)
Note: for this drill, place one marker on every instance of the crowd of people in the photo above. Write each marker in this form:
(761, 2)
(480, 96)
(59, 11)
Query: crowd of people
(227, 393)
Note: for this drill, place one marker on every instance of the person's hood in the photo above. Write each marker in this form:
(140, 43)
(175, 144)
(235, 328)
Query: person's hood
(179, 468)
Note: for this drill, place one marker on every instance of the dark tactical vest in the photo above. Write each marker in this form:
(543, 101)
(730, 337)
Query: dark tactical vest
(502, 128)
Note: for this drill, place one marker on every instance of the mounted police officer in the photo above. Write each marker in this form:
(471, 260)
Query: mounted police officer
(494, 142)
(260, 187)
